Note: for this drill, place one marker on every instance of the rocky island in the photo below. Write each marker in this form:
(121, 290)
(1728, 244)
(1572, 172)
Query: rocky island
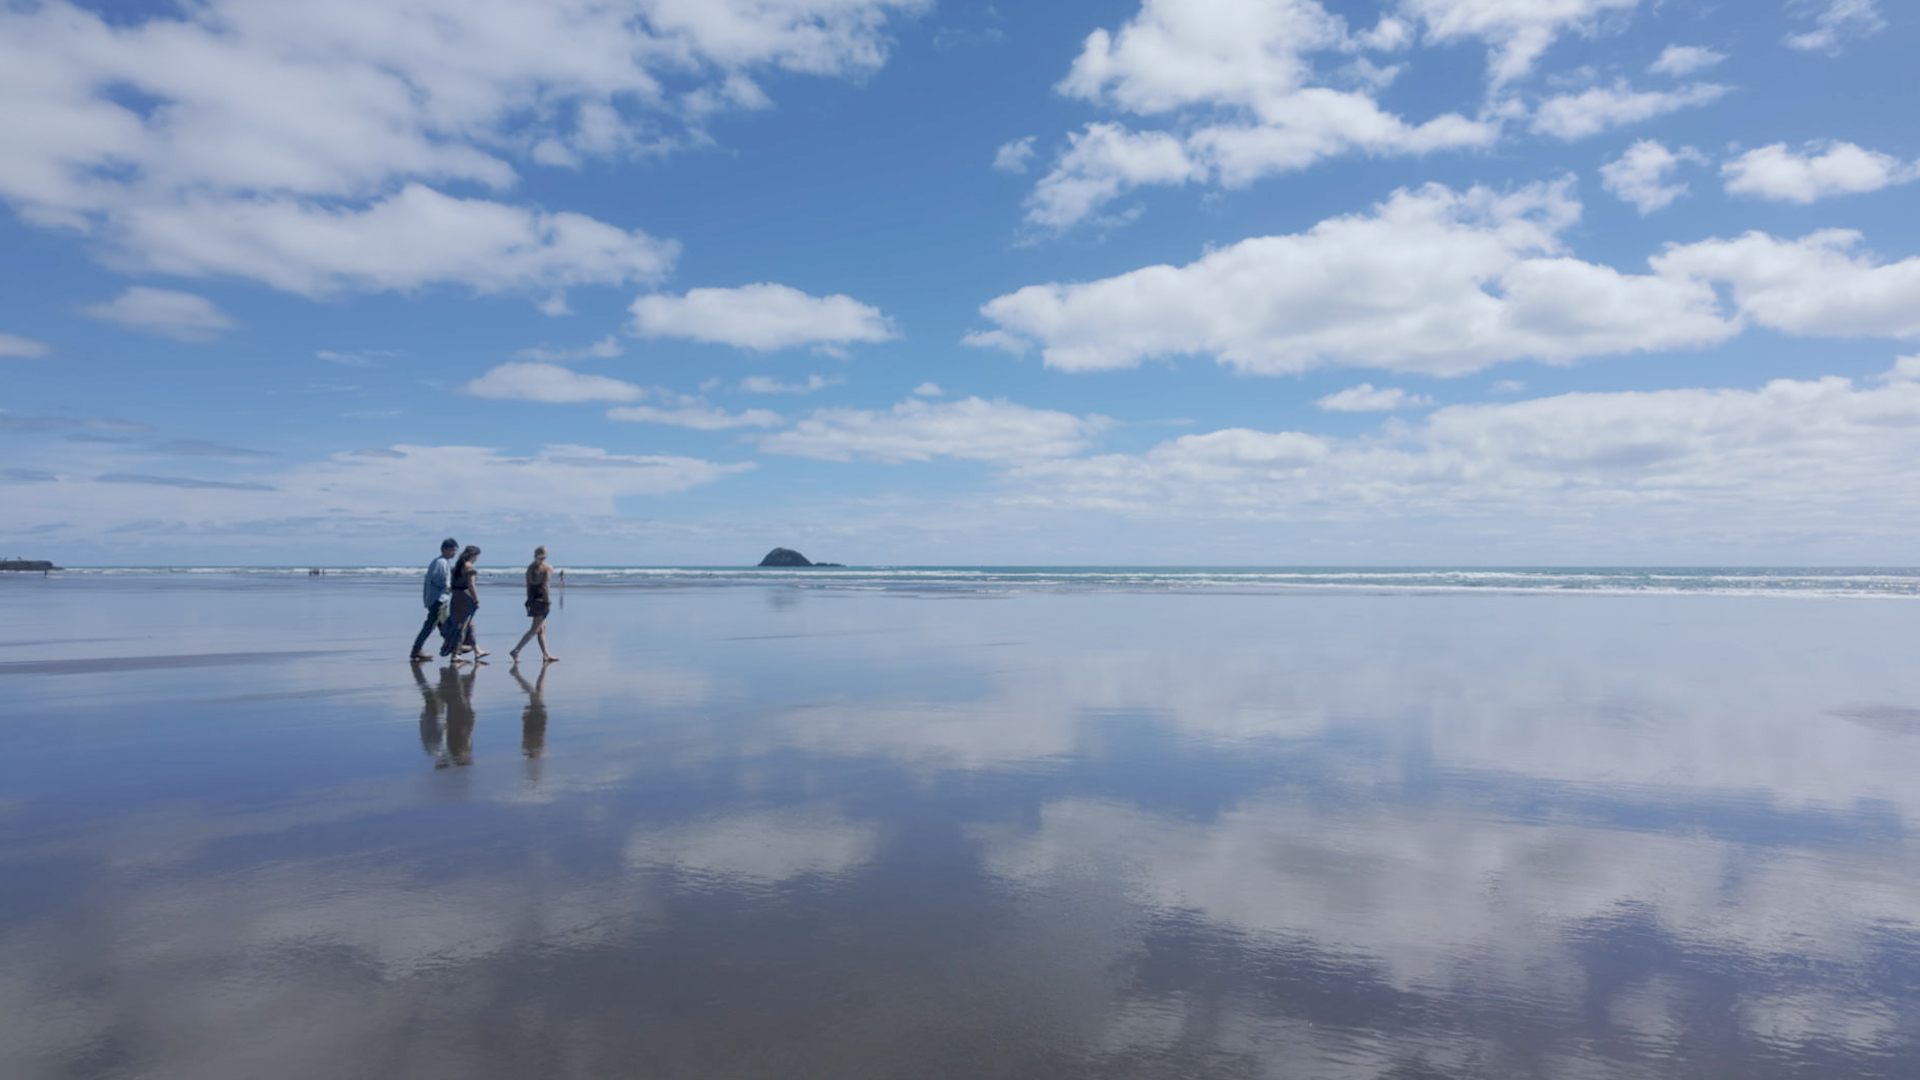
(788, 557)
(38, 566)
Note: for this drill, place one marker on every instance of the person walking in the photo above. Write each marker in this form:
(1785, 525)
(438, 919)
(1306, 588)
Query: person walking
(437, 592)
(539, 605)
(466, 601)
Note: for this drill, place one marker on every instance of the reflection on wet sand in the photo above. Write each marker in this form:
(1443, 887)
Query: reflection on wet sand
(1378, 837)
(446, 715)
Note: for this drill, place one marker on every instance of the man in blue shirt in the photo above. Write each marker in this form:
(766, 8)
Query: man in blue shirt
(437, 592)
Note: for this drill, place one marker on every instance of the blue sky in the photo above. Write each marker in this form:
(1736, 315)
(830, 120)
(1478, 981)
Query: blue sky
(893, 281)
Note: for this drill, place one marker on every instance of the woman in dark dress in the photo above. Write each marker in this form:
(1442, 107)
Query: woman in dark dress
(466, 601)
(539, 604)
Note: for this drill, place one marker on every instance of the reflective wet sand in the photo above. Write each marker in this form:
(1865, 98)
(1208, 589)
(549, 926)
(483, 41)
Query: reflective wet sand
(781, 832)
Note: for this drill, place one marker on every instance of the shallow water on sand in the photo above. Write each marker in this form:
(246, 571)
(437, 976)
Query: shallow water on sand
(773, 831)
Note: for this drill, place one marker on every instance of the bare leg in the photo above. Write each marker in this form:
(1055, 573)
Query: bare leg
(545, 656)
(538, 627)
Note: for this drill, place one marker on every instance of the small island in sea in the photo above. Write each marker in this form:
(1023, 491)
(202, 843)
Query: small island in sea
(787, 557)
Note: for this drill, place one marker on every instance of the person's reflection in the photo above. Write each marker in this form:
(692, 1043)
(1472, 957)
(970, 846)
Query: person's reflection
(433, 724)
(456, 695)
(533, 720)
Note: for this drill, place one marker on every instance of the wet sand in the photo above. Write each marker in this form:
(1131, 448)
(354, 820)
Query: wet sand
(780, 832)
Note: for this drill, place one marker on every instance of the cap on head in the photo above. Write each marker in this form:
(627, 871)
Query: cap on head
(449, 544)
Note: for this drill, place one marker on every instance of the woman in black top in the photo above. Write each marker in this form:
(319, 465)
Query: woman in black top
(539, 604)
(466, 601)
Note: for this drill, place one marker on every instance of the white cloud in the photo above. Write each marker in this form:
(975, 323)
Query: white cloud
(1821, 284)
(380, 493)
(1517, 32)
(1432, 281)
(1905, 369)
(1834, 23)
(1680, 61)
(1102, 161)
(411, 239)
(605, 349)
(1367, 398)
(355, 357)
(1823, 169)
(1576, 116)
(12, 345)
(173, 314)
(1639, 176)
(1174, 53)
(918, 430)
(1509, 386)
(762, 317)
(1809, 448)
(1236, 78)
(148, 130)
(766, 384)
(1014, 156)
(928, 389)
(522, 381)
(697, 416)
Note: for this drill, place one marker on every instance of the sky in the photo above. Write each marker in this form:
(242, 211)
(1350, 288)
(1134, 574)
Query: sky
(1183, 282)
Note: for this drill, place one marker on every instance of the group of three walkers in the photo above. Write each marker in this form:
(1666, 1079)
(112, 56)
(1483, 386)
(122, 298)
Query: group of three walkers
(452, 597)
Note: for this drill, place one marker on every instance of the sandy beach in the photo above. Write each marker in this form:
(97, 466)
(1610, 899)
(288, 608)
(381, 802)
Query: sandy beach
(832, 832)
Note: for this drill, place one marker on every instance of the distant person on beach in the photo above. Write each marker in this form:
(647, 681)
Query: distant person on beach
(466, 601)
(539, 606)
(437, 592)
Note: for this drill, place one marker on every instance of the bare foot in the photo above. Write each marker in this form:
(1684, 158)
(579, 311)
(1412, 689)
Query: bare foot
(479, 652)
(548, 659)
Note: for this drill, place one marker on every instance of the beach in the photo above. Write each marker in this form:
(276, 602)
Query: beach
(940, 826)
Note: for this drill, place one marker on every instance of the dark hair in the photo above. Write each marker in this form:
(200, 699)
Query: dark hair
(449, 544)
(468, 555)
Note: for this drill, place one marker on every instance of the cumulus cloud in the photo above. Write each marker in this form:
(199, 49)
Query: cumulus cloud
(1430, 281)
(198, 130)
(1601, 108)
(766, 384)
(1819, 170)
(525, 381)
(1821, 284)
(762, 317)
(605, 349)
(167, 312)
(1014, 156)
(1789, 446)
(970, 429)
(1835, 22)
(700, 417)
(12, 345)
(376, 492)
(1639, 176)
(1236, 79)
(413, 238)
(1680, 61)
(1367, 398)
(1516, 32)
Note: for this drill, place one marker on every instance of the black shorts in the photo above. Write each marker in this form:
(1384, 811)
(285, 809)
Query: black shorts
(538, 609)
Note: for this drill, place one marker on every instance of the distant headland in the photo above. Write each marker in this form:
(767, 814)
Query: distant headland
(788, 557)
(38, 566)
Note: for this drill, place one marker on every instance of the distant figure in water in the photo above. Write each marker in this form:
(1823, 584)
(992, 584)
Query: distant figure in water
(466, 601)
(437, 592)
(539, 606)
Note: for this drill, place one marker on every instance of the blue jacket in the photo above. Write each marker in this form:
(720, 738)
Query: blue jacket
(439, 585)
